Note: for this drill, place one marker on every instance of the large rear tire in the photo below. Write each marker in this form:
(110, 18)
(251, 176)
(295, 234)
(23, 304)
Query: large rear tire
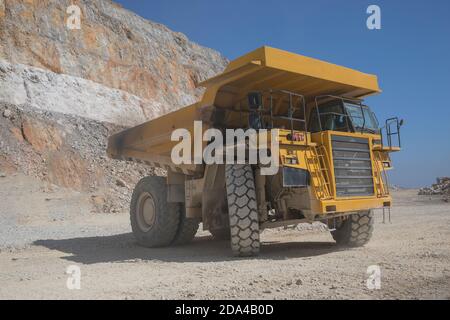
(154, 221)
(242, 210)
(356, 230)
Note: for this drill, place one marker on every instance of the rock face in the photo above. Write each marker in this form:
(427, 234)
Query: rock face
(46, 90)
(67, 151)
(114, 47)
(64, 92)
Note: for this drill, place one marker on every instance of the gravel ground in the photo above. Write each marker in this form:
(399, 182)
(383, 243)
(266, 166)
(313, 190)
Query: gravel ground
(43, 231)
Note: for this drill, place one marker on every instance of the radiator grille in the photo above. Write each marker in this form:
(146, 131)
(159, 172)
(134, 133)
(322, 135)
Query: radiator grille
(352, 166)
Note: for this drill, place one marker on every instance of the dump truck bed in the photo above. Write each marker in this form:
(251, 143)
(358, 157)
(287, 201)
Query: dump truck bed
(263, 69)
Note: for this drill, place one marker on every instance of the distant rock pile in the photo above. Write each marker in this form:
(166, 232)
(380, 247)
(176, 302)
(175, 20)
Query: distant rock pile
(441, 187)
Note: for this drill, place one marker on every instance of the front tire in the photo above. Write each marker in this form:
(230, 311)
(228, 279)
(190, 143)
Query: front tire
(154, 221)
(242, 210)
(356, 230)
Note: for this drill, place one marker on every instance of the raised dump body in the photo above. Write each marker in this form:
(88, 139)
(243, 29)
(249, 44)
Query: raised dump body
(263, 69)
(330, 150)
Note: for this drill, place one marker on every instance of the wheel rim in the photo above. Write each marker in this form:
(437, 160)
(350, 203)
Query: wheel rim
(146, 213)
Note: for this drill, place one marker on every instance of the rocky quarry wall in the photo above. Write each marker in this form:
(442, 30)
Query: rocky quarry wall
(63, 92)
(114, 47)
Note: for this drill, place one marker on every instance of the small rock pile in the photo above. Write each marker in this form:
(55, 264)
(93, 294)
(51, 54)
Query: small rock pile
(441, 187)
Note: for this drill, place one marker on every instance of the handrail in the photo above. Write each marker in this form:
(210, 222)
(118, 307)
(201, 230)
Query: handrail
(389, 133)
(290, 112)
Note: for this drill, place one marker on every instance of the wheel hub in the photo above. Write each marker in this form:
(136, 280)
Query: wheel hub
(146, 212)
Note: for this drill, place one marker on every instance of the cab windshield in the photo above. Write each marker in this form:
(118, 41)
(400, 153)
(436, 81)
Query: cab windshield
(347, 117)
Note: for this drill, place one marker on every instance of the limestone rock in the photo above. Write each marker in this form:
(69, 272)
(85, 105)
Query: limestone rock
(7, 113)
(114, 47)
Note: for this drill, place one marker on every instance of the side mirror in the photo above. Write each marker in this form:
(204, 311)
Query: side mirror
(401, 122)
(254, 100)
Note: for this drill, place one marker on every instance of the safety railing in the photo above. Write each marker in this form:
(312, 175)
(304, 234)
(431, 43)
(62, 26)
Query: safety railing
(270, 115)
(392, 128)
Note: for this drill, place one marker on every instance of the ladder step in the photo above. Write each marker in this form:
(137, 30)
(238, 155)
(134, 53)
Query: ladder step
(317, 165)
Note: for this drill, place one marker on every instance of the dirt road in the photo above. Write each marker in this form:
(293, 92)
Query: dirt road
(43, 231)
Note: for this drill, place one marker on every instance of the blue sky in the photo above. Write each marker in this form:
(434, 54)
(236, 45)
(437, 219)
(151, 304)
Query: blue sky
(410, 55)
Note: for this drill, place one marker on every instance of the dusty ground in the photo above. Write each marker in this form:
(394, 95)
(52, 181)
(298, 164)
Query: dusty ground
(43, 231)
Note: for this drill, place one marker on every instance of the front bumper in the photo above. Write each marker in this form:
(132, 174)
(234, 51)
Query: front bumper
(349, 205)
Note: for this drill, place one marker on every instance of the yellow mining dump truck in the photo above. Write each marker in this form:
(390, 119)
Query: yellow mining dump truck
(332, 155)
